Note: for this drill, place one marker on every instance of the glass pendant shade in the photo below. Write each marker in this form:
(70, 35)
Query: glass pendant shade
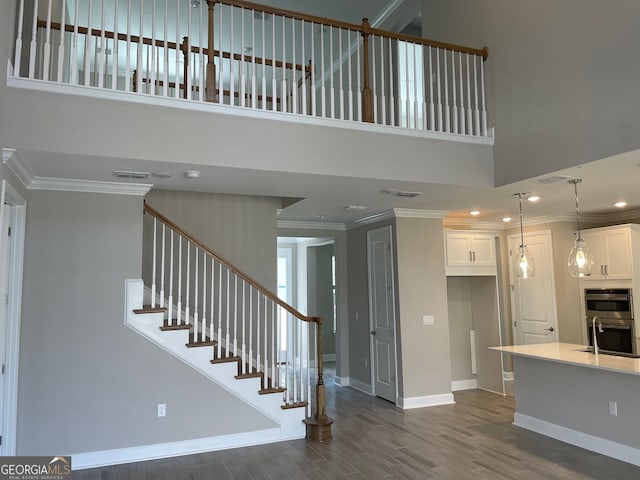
(523, 264)
(580, 260)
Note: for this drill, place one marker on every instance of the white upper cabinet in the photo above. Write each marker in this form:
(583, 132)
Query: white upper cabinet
(470, 253)
(612, 252)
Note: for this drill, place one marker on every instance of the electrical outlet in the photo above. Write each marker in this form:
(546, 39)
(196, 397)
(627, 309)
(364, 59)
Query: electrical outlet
(162, 409)
(613, 408)
(427, 319)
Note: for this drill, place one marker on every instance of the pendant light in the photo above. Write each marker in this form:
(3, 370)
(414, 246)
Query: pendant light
(580, 260)
(523, 264)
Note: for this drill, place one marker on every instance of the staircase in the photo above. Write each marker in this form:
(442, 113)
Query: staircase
(216, 319)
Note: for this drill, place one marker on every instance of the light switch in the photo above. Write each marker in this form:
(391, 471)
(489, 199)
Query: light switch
(427, 319)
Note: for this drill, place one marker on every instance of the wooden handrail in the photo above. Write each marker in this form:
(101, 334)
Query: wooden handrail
(266, 292)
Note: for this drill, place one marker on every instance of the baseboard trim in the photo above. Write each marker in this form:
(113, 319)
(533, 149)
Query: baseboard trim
(360, 386)
(469, 384)
(507, 376)
(118, 456)
(600, 445)
(426, 401)
(342, 381)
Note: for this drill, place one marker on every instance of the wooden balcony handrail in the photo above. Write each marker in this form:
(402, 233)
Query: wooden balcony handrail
(265, 291)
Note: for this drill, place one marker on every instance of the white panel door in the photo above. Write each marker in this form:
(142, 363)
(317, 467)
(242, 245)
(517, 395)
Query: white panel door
(533, 300)
(382, 313)
(5, 254)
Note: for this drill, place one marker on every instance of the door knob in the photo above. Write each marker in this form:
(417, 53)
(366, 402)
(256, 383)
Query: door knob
(373, 332)
(549, 329)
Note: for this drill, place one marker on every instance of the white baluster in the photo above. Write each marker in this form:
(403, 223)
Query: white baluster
(244, 333)
(323, 94)
(283, 100)
(189, 80)
(179, 304)
(454, 107)
(476, 111)
(34, 44)
(226, 347)
(439, 89)
(219, 355)
(287, 353)
(176, 91)
(232, 73)
(204, 297)
(140, 49)
(250, 359)
(170, 302)
(469, 110)
(266, 336)
(114, 63)
(303, 102)
(350, 98)
(294, 83)
(447, 113)
(153, 61)
(254, 88)
(359, 93)
(18, 53)
(127, 74)
(432, 118)
(73, 62)
(293, 343)
(196, 318)
(153, 266)
(165, 64)
(374, 70)
(406, 87)
(264, 65)
(201, 78)
(258, 359)
(383, 99)
(235, 317)
(243, 78)
(274, 355)
(274, 83)
(220, 60)
(392, 101)
(187, 300)
(463, 122)
(341, 92)
(47, 44)
(332, 99)
(213, 294)
(162, 262)
(484, 107)
(103, 47)
(416, 114)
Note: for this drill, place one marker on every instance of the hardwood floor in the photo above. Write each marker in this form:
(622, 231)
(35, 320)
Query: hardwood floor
(473, 439)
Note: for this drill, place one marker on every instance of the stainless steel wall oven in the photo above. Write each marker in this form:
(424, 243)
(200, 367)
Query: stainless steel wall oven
(612, 311)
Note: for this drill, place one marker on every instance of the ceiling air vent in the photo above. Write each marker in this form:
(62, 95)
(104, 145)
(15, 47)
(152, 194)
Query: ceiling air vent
(553, 179)
(402, 193)
(126, 174)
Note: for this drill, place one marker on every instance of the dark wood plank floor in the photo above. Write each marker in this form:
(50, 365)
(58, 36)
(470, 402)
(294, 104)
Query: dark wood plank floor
(473, 439)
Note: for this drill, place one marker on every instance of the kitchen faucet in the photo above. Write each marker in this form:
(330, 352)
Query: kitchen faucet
(595, 337)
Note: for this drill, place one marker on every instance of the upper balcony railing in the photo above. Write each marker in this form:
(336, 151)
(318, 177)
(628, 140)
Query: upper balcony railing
(242, 54)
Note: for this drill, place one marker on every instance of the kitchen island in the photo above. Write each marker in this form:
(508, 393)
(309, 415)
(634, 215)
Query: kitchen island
(577, 397)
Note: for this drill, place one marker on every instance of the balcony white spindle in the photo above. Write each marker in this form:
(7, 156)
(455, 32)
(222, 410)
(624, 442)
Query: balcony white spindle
(235, 317)
(294, 83)
(439, 90)
(154, 61)
(266, 338)
(162, 263)
(219, 353)
(103, 47)
(201, 79)
(127, 73)
(374, 71)
(323, 93)
(226, 342)
(114, 57)
(232, 72)
(469, 109)
(203, 334)
(340, 78)
(221, 68)
(254, 86)
(258, 311)
(359, 93)
(454, 107)
(170, 302)
(250, 340)
(303, 101)
(407, 99)
(60, 61)
(212, 292)
(416, 113)
(294, 343)
(484, 106)
(283, 99)
(476, 110)
(287, 355)
(18, 52)
(165, 50)
(189, 80)
(243, 78)
(187, 317)
(432, 118)
(274, 352)
(274, 83)
(176, 91)
(244, 329)
(392, 101)
(350, 76)
(153, 265)
(263, 70)
(332, 99)
(383, 97)
(34, 41)
(463, 122)
(179, 304)
(447, 113)
(47, 45)
(140, 49)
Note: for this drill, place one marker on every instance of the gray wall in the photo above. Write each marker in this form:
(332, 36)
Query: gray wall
(87, 382)
(562, 77)
(7, 40)
(460, 323)
(320, 292)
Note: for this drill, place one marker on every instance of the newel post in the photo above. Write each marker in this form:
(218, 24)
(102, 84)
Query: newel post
(319, 424)
(367, 98)
(210, 88)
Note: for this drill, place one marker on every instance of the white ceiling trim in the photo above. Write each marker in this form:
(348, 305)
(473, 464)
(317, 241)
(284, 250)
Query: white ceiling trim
(402, 213)
(89, 186)
(11, 159)
(475, 224)
(311, 225)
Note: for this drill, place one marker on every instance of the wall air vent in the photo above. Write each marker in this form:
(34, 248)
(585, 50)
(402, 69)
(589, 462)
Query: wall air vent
(553, 179)
(127, 174)
(402, 193)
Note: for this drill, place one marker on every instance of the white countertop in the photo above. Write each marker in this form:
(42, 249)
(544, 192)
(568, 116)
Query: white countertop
(569, 353)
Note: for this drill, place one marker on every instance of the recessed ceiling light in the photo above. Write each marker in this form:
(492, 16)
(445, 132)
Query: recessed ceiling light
(620, 204)
(533, 198)
(192, 174)
(321, 215)
(354, 207)
(506, 219)
(475, 213)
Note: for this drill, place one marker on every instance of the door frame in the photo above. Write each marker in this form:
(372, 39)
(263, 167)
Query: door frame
(549, 238)
(393, 306)
(9, 195)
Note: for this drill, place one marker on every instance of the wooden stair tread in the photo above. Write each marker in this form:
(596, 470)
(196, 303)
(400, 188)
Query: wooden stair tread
(250, 375)
(207, 343)
(266, 391)
(148, 309)
(226, 360)
(182, 326)
(287, 406)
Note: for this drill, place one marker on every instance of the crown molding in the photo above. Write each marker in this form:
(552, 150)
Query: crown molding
(89, 186)
(474, 224)
(11, 159)
(622, 216)
(401, 213)
(311, 225)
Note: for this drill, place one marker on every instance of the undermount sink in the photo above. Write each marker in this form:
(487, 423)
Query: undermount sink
(612, 353)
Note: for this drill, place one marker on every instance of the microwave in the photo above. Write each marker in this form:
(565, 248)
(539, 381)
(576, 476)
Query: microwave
(608, 303)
